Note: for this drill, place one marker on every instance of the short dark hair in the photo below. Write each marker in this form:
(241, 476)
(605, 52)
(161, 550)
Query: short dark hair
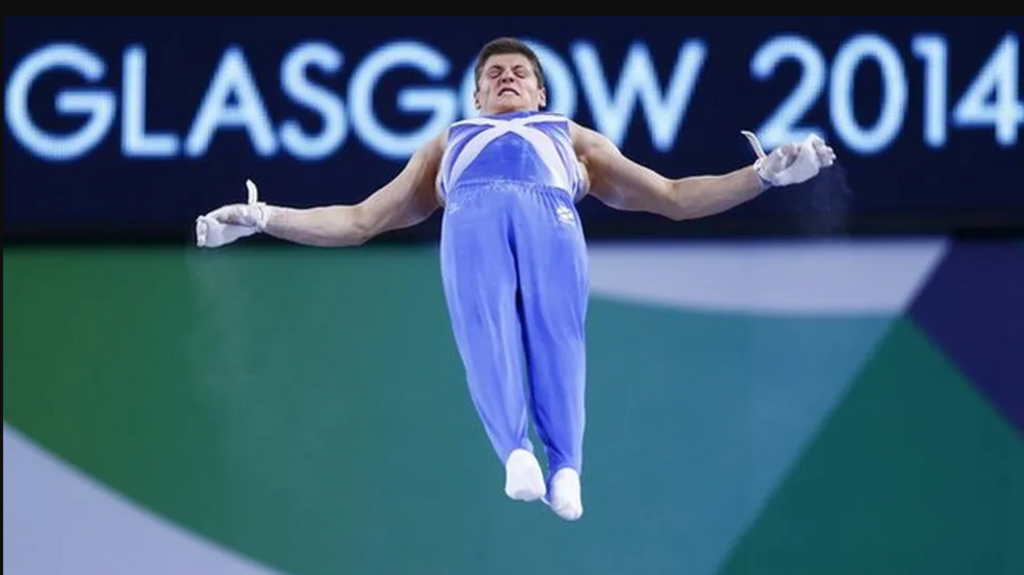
(508, 45)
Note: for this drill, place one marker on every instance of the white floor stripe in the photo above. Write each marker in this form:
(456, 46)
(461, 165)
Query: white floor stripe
(58, 521)
(827, 277)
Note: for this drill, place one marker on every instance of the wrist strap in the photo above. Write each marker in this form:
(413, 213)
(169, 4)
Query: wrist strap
(765, 182)
(262, 213)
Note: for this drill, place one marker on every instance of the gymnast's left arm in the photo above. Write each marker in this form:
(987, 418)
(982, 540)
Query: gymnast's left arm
(623, 184)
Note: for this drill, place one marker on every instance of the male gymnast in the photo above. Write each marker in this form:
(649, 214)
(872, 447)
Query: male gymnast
(512, 252)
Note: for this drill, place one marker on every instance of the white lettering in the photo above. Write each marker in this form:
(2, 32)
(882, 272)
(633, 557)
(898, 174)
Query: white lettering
(232, 78)
(439, 103)
(318, 98)
(96, 105)
(134, 139)
(783, 123)
(639, 81)
(876, 138)
(233, 100)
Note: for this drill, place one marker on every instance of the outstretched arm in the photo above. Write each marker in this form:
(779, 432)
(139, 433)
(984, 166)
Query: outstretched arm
(626, 185)
(405, 201)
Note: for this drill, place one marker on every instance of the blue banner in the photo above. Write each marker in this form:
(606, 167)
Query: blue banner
(138, 124)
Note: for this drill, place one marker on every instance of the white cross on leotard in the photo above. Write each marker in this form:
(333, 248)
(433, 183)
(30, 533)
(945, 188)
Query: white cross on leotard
(540, 141)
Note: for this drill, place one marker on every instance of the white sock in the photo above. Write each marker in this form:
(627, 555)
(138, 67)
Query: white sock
(565, 499)
(524, 480)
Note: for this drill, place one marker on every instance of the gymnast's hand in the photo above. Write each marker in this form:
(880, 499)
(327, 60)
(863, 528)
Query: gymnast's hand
(232, 222)
(791, 163)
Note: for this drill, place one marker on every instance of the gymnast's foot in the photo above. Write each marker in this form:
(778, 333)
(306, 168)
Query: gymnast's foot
(565, 497)
(524, 480)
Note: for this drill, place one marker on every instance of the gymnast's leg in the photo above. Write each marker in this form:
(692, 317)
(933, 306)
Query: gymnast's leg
(554, 283)
(480, 284)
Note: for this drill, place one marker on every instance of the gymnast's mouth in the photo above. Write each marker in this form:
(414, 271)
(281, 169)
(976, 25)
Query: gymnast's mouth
(509, 90)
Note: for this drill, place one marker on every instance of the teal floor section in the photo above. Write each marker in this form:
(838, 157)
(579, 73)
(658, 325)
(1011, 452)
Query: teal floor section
(915, 472)
(696, 417)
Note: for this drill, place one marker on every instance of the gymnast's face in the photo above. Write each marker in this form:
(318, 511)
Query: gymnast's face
(508, 83)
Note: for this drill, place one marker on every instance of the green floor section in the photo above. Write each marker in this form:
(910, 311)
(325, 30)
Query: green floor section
(307, 408)
(915, 473)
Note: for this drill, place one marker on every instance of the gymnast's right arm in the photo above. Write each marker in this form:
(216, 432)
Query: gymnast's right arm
(405, 201)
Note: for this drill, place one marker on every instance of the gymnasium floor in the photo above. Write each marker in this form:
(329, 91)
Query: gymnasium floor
(304, 411)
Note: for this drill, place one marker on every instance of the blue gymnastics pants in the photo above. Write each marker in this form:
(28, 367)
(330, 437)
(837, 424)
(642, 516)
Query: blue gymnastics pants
(515, 273)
